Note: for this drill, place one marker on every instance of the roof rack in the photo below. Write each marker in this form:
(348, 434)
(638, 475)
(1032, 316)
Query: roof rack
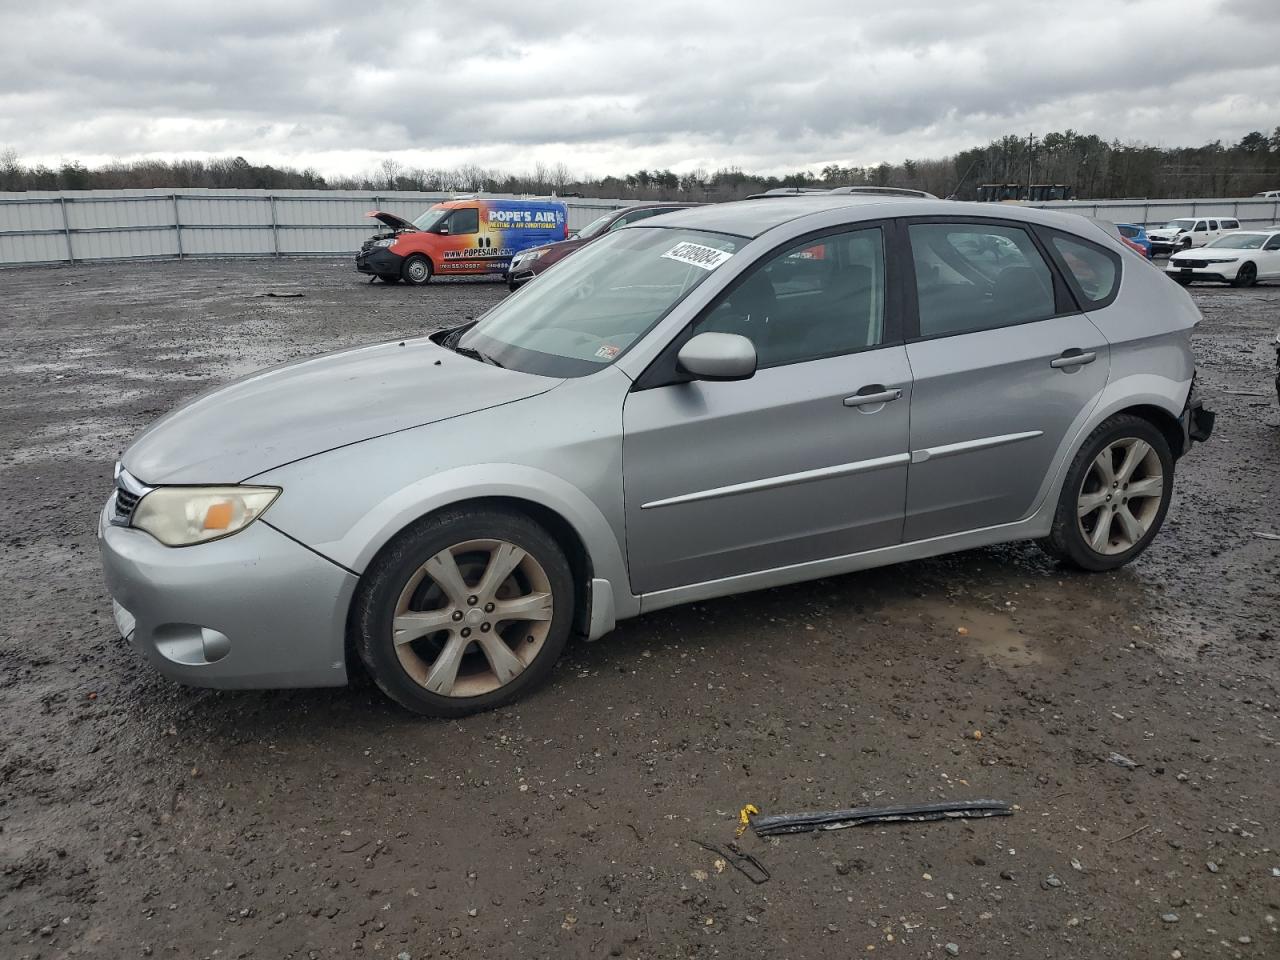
(788, 192)
(886, 191)
(870, 191)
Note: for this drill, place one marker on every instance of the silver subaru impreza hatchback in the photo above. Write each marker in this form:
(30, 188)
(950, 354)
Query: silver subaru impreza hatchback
(718, 400)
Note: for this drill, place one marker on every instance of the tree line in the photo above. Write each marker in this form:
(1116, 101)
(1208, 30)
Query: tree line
(1092, 167)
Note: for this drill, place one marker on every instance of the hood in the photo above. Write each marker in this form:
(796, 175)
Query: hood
(391, 220)
(1164, 233)
(297, 410)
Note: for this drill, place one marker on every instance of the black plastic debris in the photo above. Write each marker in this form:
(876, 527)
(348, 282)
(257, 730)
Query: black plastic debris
(857, 816)
(743, 862)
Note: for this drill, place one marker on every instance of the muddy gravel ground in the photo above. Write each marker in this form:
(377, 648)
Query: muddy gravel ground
(140, 818)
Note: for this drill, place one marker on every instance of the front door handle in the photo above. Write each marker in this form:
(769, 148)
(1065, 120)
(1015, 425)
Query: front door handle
(869, 396)
(1073, 358)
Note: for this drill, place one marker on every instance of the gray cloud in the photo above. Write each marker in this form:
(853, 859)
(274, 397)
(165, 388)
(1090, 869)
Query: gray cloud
(338, 85)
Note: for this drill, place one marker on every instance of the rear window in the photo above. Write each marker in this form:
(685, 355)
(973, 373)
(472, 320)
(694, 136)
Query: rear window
(1128, 231)
(1096, 271)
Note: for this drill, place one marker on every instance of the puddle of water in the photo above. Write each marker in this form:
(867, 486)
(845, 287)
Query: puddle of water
(994, 636)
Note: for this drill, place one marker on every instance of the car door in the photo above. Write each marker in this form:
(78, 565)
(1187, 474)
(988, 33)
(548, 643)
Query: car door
(464, 225)
(805, 460)
(1269, 260)
(1004, 365)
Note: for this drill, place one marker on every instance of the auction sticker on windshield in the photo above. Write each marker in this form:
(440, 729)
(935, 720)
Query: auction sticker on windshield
(696, 255)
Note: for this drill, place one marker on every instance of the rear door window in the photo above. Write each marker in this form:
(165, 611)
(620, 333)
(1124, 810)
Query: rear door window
(1213, 224)
(1094, 272)
(978, 276)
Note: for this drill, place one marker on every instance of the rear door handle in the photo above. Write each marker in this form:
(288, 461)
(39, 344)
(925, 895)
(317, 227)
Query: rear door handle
(878, 395)
(1073, 358)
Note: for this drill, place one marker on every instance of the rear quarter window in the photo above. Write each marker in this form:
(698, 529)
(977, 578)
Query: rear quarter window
(1093, 271)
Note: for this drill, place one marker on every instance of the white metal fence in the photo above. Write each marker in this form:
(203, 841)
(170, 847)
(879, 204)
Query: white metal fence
(1250, 211)
(75, 226)
(84, 225)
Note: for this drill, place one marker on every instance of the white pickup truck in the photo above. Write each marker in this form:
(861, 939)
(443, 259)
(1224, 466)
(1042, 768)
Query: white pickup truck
(1187, 232)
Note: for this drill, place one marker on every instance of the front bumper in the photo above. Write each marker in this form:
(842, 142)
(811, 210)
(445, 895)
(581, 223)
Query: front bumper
(379, 261)
(253, 610)
(1217, 272)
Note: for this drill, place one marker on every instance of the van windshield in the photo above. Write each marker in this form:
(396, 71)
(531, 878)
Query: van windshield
(432, 217)
(581, 316)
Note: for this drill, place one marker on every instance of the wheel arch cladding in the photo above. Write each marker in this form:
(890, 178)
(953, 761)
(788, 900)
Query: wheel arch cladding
(1162, 420)
(557, 526)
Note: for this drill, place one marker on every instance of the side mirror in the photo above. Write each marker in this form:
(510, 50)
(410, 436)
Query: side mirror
(718, 356)
(443, 229)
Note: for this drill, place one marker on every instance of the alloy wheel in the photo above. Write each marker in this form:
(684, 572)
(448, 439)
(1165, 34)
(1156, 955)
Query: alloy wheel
(1120, 496)
(472, 618)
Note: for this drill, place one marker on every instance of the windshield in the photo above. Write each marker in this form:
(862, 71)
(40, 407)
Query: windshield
(596, 225)
(433, 216)
(584, 314)
(1240, 241)
(1179, 225)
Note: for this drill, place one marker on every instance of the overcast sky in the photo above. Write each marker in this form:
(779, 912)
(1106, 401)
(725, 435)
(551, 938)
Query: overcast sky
(611, 87)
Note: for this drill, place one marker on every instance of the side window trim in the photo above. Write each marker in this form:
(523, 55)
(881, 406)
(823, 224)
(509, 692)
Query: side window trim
(1066, 300)
(662, 370)
(1046, 234)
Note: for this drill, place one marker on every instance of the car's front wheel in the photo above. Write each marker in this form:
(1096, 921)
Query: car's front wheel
(416, 270)
(1115, 496)
(464, 611)
(1246, 276)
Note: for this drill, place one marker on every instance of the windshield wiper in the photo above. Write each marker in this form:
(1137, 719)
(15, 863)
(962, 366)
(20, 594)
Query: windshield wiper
(474, 354)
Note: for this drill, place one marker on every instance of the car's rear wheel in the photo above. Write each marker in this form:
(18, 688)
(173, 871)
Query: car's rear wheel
(1115, 496)
(464, 611)
(1246, 276)
(416, 270)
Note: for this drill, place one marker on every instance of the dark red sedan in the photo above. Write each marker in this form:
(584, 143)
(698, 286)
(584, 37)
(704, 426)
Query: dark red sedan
(529, 263)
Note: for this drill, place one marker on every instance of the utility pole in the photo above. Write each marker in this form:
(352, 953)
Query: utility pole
(1031, 153)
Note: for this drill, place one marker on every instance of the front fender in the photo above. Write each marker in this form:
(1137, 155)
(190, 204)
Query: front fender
(361, 541)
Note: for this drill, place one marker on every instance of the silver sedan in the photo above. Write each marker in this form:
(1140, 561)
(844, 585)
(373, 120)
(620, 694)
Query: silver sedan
(718, 400)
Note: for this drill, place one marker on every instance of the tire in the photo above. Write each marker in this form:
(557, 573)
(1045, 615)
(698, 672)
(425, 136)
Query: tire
(473, 659)
(416, 270)
(1246, 276)
(1075, 538)
(386, 279)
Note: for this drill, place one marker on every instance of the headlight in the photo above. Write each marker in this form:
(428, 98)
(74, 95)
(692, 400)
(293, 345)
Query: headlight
(385, 243)
(180, 516)
(1220, 259)
(528, 257)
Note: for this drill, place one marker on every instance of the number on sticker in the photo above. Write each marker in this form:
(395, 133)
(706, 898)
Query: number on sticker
(697, 255)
